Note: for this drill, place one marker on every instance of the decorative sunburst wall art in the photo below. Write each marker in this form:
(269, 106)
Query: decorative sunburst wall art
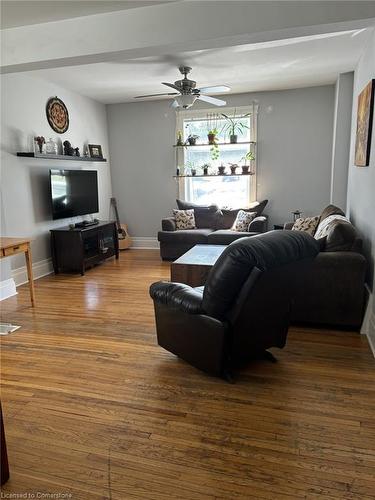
(57, 115)
(365, 113)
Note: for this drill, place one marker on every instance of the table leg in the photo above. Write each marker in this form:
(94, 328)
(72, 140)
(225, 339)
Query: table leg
(29, 265)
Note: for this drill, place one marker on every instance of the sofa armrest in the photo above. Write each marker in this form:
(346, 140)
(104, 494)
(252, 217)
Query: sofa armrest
(259, 224)
(168, 224)
(177, 295)
(288, 225)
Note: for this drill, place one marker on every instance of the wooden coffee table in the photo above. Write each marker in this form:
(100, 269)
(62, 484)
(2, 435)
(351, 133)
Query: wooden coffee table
(193, 267)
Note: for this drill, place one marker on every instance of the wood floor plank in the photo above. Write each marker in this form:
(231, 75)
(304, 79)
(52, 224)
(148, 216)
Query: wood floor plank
(93, 407)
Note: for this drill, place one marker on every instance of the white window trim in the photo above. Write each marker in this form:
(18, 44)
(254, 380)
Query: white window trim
(190, 114)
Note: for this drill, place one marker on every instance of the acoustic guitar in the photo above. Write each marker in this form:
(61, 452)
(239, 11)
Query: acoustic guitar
(124, 240)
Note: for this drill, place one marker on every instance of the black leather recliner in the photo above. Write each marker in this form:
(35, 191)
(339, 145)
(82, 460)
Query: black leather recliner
(243, 309)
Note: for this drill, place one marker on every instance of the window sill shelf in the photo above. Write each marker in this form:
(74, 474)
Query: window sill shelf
(212, 175)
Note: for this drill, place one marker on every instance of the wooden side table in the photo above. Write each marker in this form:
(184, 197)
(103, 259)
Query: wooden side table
(13, 246)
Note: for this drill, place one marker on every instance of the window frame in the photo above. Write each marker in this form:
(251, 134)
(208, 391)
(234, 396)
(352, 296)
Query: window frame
(196, 114)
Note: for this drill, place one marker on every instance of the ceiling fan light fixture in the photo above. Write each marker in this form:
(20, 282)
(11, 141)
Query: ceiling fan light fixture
(185, 100)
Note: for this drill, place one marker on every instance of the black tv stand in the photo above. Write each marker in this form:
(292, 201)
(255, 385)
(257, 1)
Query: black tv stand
(86, 223)
(78, 248)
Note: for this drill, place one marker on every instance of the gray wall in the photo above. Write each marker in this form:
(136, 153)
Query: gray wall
(361, 182)
(24, 181)
(294, 155)
(342, 129)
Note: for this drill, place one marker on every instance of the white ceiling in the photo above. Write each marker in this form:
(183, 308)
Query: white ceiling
(292, 63)
(24, 12)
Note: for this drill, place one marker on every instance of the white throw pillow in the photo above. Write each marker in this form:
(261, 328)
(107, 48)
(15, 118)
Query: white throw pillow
(323, 227)
(184, 219)
(307, 225)
(242, 221)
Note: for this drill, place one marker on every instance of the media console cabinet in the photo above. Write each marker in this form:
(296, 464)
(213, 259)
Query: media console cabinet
(75, 250)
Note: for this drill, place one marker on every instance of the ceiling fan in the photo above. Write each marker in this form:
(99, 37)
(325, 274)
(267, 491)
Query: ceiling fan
(188, 93)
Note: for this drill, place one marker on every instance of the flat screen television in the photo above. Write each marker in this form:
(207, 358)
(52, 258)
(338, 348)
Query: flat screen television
(73, 192)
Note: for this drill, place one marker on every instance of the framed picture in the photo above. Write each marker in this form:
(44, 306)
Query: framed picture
(365, 114)
(57, 115)
(95, 151)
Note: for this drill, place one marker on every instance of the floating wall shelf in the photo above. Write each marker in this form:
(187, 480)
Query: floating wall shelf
(45, 156)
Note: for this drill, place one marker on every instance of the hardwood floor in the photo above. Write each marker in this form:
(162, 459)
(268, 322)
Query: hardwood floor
(93, 407)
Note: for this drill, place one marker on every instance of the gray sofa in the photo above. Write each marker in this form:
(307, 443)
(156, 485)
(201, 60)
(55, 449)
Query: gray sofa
(213, 228)
(331, 290)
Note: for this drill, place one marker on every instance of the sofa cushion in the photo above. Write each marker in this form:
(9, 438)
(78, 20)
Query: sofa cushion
(258, 206)
(184, 219)
(242, 221)
(337, 233)
(205, 216)
(226, 236)
(330, 210)
(193, 236)
(229, 215)
(308, 225)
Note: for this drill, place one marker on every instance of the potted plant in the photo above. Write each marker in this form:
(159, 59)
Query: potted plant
(179, 141)
(215, 152)
(193, 171)
(249, 156)
(205, 168)
(221, 169)
(192, 139)
(234, 126)
(233, 168)
(212, 127)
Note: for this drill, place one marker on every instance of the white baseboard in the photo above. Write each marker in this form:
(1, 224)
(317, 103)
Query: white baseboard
(146, 242)
(40, 269)
(7, 289)
(368, 324)
(371, 333)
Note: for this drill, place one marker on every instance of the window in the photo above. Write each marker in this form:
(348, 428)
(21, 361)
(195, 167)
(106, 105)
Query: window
(226, 191)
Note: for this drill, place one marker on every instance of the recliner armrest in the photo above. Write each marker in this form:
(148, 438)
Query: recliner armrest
(178, 295)
(168, 224)
(258, 224)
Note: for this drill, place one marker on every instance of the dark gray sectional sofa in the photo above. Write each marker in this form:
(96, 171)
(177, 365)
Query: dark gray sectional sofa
(213, 228)
(331, 290)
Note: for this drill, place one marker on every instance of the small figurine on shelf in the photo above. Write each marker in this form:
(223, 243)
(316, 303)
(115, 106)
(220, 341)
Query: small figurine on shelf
(69, 150)
(40, 140)
(178, 171)
(51, 147)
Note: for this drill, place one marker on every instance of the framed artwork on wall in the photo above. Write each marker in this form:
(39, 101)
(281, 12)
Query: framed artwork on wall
(365, 112)
(57, 115)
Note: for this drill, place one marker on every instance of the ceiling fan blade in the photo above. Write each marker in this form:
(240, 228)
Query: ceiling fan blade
(154, 95)
(215, 89)
(172, 85)
(212, 100)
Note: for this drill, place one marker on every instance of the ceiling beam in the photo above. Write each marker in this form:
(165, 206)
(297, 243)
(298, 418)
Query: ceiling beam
(174, 27)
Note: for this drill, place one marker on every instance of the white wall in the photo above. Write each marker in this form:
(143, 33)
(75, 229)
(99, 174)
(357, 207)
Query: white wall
(361, 182)
(294, 155)
(342, 129)
(24, 181)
